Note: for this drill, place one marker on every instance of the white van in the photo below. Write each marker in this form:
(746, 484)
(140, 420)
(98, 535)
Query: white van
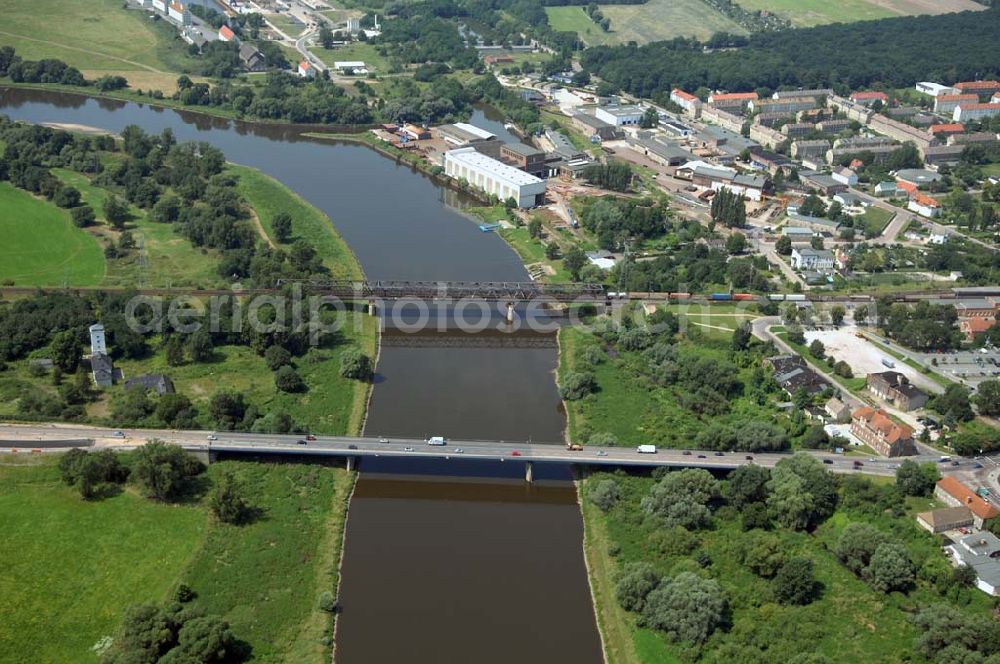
(646, 449)
(436, 440)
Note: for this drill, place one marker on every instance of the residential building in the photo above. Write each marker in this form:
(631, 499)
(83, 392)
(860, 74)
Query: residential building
(179, 13)
(160, 6)
(951, 491)
(946, 518)
(978, 88)
(858, 112)
(771, 119)
(833, 126)
(306, 69)
(252, 58)
(869, 98)
(226, 34)
(877, 430)
(796, 129)
(900, 130)
(793, 374)
(946, 129)
(946, 104)
(889, 189)
(731, 101)
(966, 112)
(769, 138)
(982, 137)
(97, 340)
(812, 148)
(494, 177)
(102, 369)
(878, 151)
(935, 89)
(981, 552)
(846, 176)
(895, 388)
(620, 116)
(722, 118)
(943, 154)
(837, 410)
(787, 105)
(970, 327)
(807, 258)
(785, 94)
(849, 200)
(924, 205)
(159, 383)
(686, 100)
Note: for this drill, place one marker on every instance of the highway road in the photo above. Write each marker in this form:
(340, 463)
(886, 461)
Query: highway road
(20, 436)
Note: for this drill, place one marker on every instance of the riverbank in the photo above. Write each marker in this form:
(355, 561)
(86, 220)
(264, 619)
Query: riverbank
(265, 578)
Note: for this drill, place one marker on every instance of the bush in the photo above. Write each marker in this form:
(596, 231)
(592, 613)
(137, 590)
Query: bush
(227, 500)
(637, 580)
(577, 385)
(328, 602)
(83, 216)
(162, 471)
(287, 379)
(355, 364)
(795, 582)
(184, 593)
(603, 439)
(687, 608)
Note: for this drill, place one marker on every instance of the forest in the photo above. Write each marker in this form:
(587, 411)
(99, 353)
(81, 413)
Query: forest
(894, 52)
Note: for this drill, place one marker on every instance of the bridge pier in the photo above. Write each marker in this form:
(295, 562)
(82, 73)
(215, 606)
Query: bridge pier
(510, 312)
(207, 457)
(351, 463)
(371, 307)
(529, 473)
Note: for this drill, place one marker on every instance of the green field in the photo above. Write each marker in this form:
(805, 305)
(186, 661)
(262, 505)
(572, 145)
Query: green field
(815, 12)
(268, 197)
(849, 622)
(71, 567)
(41, 245)
(652, 21)
(876, 219)
(97, 37)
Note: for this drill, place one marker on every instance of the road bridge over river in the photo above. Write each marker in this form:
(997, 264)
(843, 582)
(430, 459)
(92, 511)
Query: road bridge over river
(28, 437)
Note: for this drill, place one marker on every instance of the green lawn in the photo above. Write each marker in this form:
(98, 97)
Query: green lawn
(571, 18)
(876, 219)
(848, 623)
(42, 246)
(286, 24)
(665, 19)
(268, 197)
(164, 257)
(71, 567)
(363, 51)
(97, 36)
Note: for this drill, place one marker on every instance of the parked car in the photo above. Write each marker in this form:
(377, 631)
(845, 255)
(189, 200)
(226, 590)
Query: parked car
(302, 442)
(719, 454)
(211, 436)
(828, 461)
(407, 449)
(352, 446)
(121, 434)
(515, 453)
(686, 452)
(310, 437)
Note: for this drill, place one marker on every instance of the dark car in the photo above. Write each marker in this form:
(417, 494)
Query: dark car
(749, 457)
(954, 463)
(301, 442)
(686, 452)
(719, 454)
(352, 446)
(828, 461)
(701, 456)
(977, 466)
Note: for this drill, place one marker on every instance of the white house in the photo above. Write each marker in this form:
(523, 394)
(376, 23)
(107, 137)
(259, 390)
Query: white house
(179, 13)
(306, 70)
(160, 6)
(807, 258)
(97, 341)
(685, 100)
(846, 176)
(620, 116)
(924, 205)
(935, 89)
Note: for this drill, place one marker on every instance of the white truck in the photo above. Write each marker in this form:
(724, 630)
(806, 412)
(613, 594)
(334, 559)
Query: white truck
(436, 440)
(646, 449)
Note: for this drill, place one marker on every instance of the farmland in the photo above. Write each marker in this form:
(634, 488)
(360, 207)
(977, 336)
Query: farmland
(804, 13)
(653, 21)
(41, 245)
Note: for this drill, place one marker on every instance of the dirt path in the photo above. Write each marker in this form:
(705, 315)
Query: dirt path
(260, 230)
(84, 50)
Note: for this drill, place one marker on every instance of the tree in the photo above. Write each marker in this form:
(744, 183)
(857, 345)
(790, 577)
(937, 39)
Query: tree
(175, 411)
(276, 357)
(729, 209)
(205, 639)
(227, 500)
(535, 228)
(227, 409)
(650, 118)
(837, 313)
(795, 582)
(552, 251)
(784, 245)
(355, 364)
(681, 498)
(67, 197)
(988, 397)
(736, 243)
(890, 568)
(817, 349)
(802, 493)
(746, 485)
(954, 403)
(763, 554)
(200, 346)
(816, 438)
(83, 216)
(93, 473)
(66, 351)
(162, 471)
(687, 608)
(175, 351)
(914, 479)
(857, 545)
(116, 212)
(287, 379)
(813, 206)
(742, 336)
(282, 227)
(326, 37)
(604, 494)
(573, 261)
(166, 210)
(637, 580)
(146, 634)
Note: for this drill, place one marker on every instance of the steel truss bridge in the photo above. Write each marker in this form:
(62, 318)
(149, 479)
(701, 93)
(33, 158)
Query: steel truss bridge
(494, 291)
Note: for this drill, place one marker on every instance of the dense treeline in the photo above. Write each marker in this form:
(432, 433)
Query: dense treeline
(49, 70)
(614, 220)
(891, 52)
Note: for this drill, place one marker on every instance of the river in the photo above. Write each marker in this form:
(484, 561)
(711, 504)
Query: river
(485, 570)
